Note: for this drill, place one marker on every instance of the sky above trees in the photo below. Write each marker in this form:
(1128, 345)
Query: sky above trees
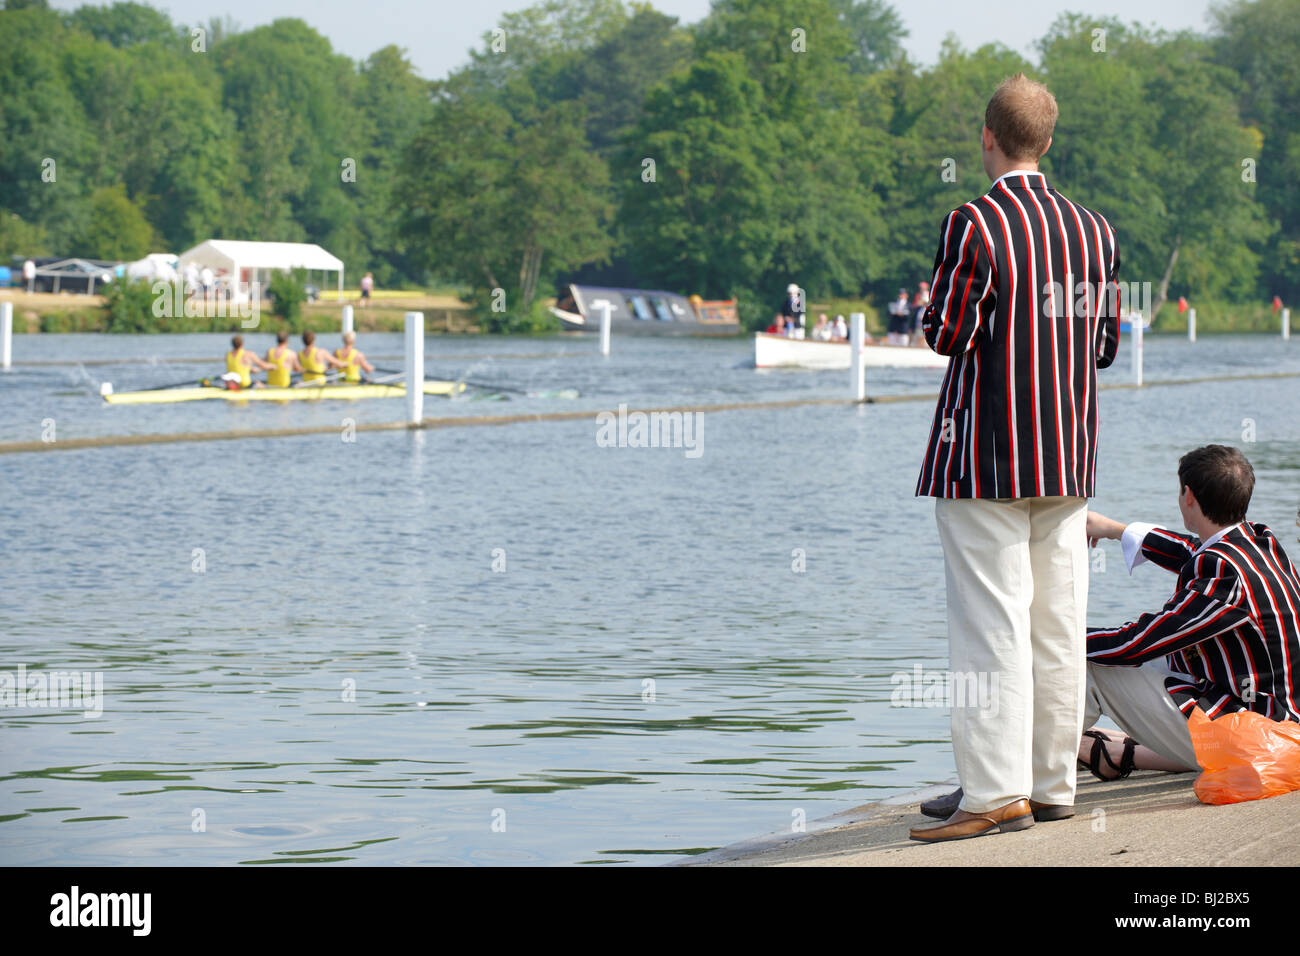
(439, 34)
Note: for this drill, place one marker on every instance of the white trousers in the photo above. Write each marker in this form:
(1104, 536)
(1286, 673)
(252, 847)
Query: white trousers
(1136, 699)
(1017, 584)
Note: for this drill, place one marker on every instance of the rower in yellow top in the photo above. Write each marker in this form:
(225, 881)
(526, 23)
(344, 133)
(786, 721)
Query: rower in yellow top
(353, 359)
(314, 359)
(238, 362)
(284, 362)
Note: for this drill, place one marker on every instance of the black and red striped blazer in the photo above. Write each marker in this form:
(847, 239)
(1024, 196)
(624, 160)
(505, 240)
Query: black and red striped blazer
(1024, 301)
(1233, 626)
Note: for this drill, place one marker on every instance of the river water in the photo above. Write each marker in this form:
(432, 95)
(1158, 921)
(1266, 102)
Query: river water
(510, 644)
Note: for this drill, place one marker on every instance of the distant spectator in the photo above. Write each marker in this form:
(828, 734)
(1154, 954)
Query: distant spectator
(920, 302)
(899, 319)
(367, 286)
(841, 329)
(822, 330)
(794, 306)
(208, 279)
(777, 327)
(29, 275)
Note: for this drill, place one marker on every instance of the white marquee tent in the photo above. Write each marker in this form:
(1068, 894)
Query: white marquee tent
(237, 263)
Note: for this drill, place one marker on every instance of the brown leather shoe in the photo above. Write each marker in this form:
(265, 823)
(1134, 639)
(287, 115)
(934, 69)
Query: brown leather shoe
(1050, 811)
(1016, 815)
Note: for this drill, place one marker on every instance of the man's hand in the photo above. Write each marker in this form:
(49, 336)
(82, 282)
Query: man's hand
(1099, 526)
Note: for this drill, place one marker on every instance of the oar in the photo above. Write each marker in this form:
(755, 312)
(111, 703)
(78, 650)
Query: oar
(492, 386)
(330, 376)
(188, 381)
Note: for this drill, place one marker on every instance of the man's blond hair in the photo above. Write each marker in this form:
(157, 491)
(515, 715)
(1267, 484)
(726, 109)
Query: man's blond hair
(1021, 116)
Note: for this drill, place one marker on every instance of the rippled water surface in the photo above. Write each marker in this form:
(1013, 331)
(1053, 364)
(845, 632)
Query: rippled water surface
(506, 644)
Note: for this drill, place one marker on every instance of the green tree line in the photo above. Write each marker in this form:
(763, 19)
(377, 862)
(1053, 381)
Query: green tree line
(598, 140)
(122, 133)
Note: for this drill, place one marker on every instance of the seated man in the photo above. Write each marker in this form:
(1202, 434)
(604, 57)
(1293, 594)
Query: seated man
(353, 359)
(238, 364)
(1227, 641)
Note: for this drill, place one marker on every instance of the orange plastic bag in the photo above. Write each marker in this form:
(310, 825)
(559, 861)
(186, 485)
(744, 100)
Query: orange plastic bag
(1244, 756)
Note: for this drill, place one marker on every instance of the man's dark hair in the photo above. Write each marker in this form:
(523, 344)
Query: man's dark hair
(1221, 479)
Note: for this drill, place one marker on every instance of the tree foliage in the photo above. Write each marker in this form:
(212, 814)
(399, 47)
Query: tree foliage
(504, 205)
(288, 293)
(773, 141)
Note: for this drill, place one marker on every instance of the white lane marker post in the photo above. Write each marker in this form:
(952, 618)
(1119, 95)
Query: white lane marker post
(6, 333)
(857, 328)
(606, 308)
(1135, 330)
(347, 319)
(1191, 325)
(1286, 327)
(415, 367)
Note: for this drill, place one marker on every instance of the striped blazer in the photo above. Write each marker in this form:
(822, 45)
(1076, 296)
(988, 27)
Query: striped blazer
(1233, 626)
(1024, 301)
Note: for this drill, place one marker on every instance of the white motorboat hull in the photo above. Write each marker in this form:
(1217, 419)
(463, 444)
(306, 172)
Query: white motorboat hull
(777, 351)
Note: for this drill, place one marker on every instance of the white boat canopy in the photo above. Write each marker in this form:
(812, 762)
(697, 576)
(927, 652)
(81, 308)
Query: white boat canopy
(238, 263)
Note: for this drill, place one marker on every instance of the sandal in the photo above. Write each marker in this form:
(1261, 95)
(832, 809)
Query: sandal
(1100, 740)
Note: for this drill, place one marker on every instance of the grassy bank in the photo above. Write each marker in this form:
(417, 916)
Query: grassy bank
(1212, 317)
(443, 312)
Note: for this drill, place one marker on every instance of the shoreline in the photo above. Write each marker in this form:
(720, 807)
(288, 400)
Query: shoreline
(1149, 819)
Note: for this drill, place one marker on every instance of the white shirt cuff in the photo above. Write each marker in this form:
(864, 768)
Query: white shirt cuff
(1131, 541)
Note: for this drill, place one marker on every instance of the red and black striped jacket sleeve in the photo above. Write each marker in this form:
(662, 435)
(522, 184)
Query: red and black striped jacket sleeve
(1169, 549)
(1204, 607)
(1232, 626)
(961, 298)
(1024, 301)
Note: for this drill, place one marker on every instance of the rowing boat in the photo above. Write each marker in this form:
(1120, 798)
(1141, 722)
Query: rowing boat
(305, 393)
(775, 351)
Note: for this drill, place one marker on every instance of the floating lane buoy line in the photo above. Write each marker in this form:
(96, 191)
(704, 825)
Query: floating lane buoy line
(469, 421)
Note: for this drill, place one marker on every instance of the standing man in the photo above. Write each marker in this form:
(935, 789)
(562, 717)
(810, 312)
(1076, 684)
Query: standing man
(1010, 461)
(29, 274)
(920, 302)
(367, 287)
(793, 310)
(899, 316)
